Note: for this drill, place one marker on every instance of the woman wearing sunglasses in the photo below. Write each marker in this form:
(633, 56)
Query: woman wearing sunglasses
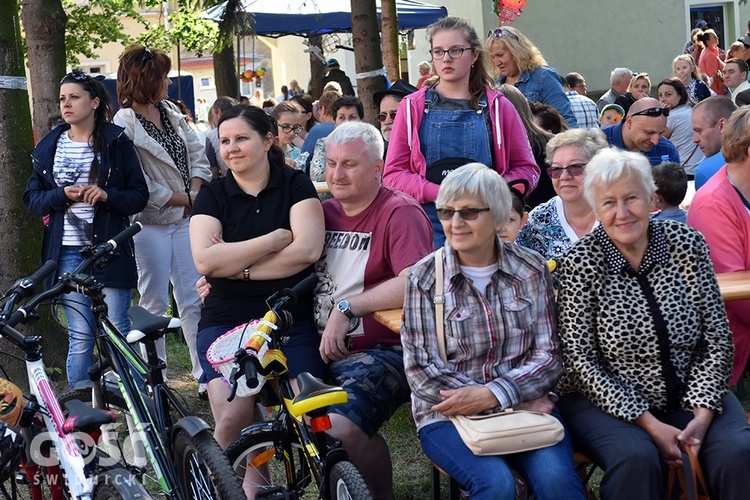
(556, 224)
(457, 121)
(88, 180)
(519, 62)
(501, 344)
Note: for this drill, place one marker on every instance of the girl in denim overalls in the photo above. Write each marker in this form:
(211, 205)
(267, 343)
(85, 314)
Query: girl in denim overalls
(458, 121)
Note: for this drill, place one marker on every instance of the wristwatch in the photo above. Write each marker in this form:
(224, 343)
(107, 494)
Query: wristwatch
(344, 308)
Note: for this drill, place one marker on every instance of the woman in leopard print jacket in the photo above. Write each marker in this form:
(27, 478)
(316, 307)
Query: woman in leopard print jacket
(646, 343)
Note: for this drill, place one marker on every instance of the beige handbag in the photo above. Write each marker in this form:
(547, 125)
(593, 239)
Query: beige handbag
(510, 431)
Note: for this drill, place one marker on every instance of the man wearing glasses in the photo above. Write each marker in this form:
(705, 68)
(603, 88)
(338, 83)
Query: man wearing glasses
(642, 130)
(387, 101)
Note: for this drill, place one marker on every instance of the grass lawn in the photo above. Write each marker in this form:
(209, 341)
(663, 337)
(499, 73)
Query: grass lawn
(411, 469)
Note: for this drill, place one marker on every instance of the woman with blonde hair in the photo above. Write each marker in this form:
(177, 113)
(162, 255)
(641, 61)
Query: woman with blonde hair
(640, 87)
(685, 69)
(425, 71)
(459, 120)
(519, 62)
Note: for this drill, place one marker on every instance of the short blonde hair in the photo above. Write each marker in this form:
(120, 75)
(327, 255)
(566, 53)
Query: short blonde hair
(640, 76)
(526, 55)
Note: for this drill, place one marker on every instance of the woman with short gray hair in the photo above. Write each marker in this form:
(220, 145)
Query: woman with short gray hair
(501, 345)
(646, 343)
(556, 224)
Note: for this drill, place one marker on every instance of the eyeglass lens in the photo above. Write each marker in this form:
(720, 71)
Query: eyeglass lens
(574, 170)
(382, 116)
(464, 213)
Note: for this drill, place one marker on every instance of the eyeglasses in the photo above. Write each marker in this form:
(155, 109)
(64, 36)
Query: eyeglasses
(497, 33)
(382, 116)
(652, 112)
(464, 213)
(454, 52)
(288, 128)
(573, 170)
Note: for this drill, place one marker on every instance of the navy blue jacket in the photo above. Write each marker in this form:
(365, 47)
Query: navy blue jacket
(127, 194)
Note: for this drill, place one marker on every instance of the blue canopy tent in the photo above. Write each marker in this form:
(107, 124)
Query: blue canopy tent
(275, 18)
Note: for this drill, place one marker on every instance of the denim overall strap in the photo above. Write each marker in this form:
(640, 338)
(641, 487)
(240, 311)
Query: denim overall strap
(452, 133)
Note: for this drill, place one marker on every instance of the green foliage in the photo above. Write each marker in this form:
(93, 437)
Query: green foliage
(97, 22)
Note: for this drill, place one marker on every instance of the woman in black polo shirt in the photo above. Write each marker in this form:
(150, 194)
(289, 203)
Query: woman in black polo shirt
(257, 230)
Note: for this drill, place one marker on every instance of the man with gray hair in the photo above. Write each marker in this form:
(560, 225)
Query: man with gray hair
(218, 167)
(374, 234)
(619, 80)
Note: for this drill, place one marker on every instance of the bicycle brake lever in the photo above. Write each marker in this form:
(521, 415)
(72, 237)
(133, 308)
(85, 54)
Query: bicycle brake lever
(233, 377)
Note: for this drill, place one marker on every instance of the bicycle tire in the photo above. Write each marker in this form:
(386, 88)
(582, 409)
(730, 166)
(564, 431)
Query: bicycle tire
(119, 484)
(270, 470)
(346, 483)
(203, 469)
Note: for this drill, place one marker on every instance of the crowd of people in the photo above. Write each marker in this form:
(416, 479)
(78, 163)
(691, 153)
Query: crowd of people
(505, 165)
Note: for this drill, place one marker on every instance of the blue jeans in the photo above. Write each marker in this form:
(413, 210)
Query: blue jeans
(438, 236)
(549, 472)
(81, 323)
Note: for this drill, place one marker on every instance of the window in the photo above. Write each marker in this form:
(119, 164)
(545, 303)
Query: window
(207, 82)
(714, 15)
(95, 69)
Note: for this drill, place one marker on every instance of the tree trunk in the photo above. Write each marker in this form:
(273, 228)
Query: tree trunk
(368, 58)
(317, 68)
(44, 23)
(21, 232)
(389, 34)
(225, 74)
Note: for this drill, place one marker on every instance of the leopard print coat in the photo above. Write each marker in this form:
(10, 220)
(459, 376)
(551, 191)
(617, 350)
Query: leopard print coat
(610, 345)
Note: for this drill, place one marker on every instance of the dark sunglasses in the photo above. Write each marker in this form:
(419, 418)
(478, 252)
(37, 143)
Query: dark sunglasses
(465, 213)
(573, 170)
(499, 32)
(652, 112)
(288, 128)
(76, 75)
(383, 116)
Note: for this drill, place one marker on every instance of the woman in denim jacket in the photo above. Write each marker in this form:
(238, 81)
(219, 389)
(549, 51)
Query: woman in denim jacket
(457, 121)
(88, 180)
(519, 63)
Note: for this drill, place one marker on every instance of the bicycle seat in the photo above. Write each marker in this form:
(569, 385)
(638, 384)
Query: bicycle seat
(148, 327)
(314, 395)
(84, 418)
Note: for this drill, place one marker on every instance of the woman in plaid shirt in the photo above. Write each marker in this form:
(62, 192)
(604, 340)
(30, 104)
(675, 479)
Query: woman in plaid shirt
(501, 341)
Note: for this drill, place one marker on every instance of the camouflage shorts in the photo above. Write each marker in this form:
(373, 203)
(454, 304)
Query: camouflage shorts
(376, 384)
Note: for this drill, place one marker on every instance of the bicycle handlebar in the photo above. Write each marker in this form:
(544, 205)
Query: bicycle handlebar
(24, 287)
(249, 365)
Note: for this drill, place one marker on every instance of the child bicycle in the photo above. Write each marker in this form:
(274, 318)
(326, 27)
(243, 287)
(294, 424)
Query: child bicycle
(54, 445)
(185, 460)
(284, 457)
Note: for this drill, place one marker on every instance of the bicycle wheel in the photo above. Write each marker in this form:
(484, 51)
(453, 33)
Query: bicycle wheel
(346, 483)
(119, 484)
(253, 457)
(203, 469)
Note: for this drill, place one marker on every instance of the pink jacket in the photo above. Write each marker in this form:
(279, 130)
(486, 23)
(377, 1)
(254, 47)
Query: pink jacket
(718, 212)
(405, 165)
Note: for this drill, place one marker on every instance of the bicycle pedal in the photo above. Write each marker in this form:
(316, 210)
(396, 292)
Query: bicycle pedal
(273, 493)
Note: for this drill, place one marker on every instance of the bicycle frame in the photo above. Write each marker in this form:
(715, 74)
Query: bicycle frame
(152, 431)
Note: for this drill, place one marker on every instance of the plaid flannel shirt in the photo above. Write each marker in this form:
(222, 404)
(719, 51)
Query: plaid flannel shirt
(505, 338)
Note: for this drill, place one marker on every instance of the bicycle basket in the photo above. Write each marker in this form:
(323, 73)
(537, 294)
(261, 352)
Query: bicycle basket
(221, 356)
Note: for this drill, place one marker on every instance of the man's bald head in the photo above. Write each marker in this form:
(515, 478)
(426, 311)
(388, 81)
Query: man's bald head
(641, 104)
(642, 132)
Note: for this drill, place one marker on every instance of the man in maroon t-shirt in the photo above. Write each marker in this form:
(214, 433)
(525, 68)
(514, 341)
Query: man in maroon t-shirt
(374, 235)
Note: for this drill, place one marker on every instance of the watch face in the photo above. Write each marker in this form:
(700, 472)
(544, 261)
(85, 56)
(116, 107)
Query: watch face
(343, 306)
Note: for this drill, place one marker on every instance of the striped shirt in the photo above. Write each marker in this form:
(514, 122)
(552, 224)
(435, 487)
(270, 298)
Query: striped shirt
(504, 337)
(71, 168)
